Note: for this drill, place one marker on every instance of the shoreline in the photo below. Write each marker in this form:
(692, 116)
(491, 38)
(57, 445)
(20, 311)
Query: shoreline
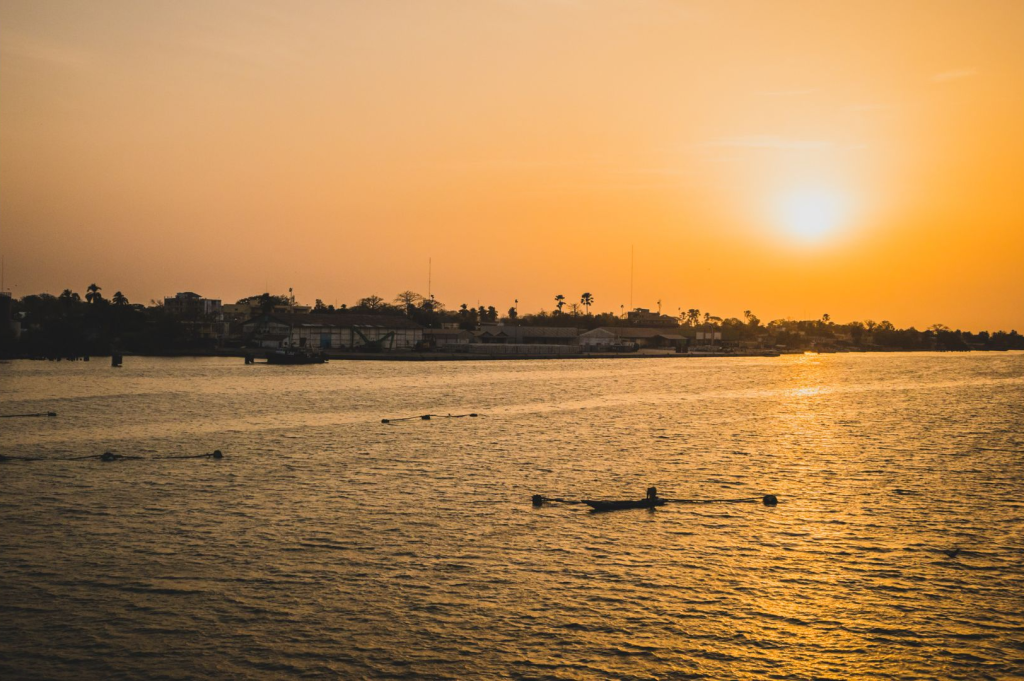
(411, 356)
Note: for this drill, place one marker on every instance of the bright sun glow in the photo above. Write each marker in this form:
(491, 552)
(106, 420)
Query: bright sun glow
(812, 215)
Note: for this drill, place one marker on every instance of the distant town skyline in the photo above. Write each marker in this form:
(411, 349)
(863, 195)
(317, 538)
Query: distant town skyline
(864, 160)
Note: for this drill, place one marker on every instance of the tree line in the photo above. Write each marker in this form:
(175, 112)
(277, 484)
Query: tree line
(72, 325)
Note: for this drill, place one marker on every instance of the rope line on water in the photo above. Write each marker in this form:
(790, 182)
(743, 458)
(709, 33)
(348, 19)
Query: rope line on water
(27, 416)
(427, 417)
(110, 456)
(767, 500)
(744, 500)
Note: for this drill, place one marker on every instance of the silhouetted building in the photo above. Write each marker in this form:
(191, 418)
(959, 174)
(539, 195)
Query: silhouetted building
(437, 338)
(266, 331)
(333, 332)
(354, 332)
(192, 306)
(605, 337)
(7, 322)
(527, 335)
(641, 316)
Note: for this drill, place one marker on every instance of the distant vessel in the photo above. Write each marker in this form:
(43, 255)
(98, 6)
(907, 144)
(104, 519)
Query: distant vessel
(622, 505)
(295, 356)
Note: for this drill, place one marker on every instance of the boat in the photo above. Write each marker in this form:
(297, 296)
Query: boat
(623, 505)
(295, 356)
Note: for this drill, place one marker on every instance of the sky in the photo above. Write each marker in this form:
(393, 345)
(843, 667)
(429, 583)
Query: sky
(860, 159)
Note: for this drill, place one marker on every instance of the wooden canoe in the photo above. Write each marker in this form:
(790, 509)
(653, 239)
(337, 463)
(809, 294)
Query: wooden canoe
(622, 505)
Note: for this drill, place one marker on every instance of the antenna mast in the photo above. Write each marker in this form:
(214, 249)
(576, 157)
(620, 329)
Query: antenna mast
(631, 248)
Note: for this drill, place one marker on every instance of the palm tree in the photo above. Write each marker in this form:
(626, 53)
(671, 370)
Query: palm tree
(119, 299)
(752, 321)
(693, 316)
(92, 294)
(559, 302)
(587, 299)
(68, 297)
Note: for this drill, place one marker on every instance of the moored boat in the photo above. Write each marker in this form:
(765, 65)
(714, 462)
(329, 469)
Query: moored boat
(623, 505)
(295, 356)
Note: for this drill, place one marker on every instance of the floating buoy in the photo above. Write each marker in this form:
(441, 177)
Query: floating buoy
(538, 500)
(770, 500)
(108, 456)
(216, 454)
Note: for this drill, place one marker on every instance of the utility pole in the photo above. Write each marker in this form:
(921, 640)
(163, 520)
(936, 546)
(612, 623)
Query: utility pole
(631, 275)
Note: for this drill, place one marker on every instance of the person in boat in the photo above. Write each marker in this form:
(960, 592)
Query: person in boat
(652, 493)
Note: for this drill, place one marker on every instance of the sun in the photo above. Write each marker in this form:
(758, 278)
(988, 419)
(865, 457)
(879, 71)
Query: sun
(811, 215)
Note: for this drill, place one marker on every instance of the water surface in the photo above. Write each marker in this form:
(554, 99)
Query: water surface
(328, 543)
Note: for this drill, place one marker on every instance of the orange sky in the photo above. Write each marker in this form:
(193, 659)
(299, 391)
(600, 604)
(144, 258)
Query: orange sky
(224, 147)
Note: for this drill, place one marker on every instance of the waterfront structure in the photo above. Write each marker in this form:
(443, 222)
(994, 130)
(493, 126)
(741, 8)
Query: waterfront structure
(606, 337)
(266, 331)
(333, 332)
(438, 338)
(527, 335)
(599, 339)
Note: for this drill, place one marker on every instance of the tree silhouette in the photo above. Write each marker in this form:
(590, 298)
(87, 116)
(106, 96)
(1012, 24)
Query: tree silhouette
(407, 298)
(267, 303)
(68, 298)
(371, 302)
(513, 313)
(711, 320)
(559, 302)
(119, 299)
(693, 316)
(587, 299)
(92, 294)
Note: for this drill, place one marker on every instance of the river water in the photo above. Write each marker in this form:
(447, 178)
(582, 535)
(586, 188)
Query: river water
(326, 543)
